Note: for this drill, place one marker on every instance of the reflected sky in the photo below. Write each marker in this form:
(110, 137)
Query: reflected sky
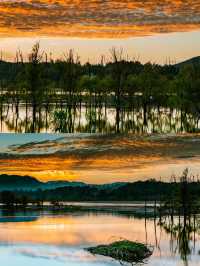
(72, 230)
(99, 159)
(92, 27)
(68, 235)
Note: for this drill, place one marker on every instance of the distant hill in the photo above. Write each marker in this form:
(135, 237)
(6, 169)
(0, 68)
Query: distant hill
(28, 183)
(138, 191)
(13, 182)
(16, 182)
(29, 187)
(59, 184)
(191, 61)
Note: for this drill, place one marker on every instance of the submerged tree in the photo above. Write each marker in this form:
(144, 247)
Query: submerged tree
(118, 76)
(139, 93)
(33, 78)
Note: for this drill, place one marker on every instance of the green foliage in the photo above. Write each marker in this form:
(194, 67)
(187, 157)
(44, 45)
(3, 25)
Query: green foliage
(125, 251)
(60, 121)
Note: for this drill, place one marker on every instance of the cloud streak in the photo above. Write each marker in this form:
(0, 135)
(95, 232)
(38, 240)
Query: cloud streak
(103, 159)
(97, 18)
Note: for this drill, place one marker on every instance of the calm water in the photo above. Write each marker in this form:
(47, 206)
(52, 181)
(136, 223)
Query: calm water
(94, 120)
(60, 239)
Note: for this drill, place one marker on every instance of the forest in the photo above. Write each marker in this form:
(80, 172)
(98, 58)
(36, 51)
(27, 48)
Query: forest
(150, 190)
(136, 93)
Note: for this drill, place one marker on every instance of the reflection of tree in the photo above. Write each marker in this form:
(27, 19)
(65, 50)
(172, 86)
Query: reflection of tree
(182, 232)
(90, 119)
(180, 219)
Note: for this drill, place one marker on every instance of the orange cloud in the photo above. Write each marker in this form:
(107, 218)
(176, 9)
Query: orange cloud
(100, 159)
(95, 18)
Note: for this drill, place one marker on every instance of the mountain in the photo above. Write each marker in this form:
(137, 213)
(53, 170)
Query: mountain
(191, 61)
(29, 187)
(13, 182)
(26, 183)
(111, 186)
(149, 190)
(59, 184)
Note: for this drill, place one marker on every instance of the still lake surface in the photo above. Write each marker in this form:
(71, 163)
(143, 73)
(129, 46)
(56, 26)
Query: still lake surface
(41, 238)
(94, 120)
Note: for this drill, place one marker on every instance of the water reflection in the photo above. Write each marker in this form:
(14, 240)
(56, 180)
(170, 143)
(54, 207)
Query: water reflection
(183, 236)
(62, 237)
(54, 118)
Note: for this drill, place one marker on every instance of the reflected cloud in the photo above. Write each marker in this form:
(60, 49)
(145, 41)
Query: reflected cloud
(55, 254)
(73, 230)
(95, 18)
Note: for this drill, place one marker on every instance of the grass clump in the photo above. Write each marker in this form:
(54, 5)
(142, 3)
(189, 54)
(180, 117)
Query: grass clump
(125, 250)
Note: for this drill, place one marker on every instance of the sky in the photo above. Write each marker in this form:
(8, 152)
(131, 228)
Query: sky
(149, 30)
(99, 159)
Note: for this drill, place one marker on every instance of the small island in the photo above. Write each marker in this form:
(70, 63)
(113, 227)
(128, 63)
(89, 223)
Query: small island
(124, 251)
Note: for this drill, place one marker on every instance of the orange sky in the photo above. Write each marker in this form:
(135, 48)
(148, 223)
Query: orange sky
(94, 26)
(96, 18)
(96, 159)
(100, 170)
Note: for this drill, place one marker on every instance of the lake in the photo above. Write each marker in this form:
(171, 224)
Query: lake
(41, 238)
(86, 119)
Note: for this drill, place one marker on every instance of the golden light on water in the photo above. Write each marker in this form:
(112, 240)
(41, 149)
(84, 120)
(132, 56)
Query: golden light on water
(74, 230)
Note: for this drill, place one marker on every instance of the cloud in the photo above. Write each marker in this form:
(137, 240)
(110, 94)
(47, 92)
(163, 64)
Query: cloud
(97, 18)
(102, 159)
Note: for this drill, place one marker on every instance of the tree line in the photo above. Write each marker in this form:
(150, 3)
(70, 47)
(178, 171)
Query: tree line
(172, 195)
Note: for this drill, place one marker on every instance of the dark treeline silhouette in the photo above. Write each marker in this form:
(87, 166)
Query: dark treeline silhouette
(138, 94)
(174, 195)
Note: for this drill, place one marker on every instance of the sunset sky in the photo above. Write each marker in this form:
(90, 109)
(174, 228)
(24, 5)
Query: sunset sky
(147, 30)
(98, 159)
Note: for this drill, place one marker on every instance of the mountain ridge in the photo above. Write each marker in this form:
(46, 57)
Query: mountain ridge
(190, 61)
(29, 183)
(17, 182)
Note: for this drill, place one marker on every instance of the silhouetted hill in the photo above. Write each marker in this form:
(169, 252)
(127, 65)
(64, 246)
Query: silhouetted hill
(125, 192)
(138, 191)
(15, 182)
(191, 61)
(58, 184)
(150, 190)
